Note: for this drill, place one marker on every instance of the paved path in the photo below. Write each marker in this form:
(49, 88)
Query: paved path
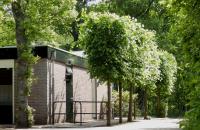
(153, 124)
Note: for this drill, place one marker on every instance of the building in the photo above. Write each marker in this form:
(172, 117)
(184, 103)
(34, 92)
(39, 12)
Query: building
(62, 80)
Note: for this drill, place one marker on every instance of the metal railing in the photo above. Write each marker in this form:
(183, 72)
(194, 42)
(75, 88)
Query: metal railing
(81, 109)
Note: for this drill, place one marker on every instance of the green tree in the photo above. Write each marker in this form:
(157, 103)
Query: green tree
(165, 85)
(104, 39)
(119, 8)
(150, 70)
(185, 34)
(34, 21)
(142, 60)
(81, 5)
(7, 35)
(155, 15)
(125, 100)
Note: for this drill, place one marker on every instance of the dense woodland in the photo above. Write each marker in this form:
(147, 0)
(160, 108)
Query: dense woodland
(150, 50)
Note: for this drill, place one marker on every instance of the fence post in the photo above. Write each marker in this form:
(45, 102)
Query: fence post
(53, 112)
(81, 120)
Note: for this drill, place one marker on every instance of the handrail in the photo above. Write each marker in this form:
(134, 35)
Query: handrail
(74, 112)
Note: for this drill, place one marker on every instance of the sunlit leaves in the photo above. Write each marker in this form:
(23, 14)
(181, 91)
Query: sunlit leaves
(168, 69)
(143, 57)
(45, 15)
(7, 29)
(137, 59)
(104, 39)
(166, 83)
(33, 21)
(45, 20)
(187, 29)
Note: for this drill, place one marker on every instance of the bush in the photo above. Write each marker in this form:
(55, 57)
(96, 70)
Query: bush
(125, 103)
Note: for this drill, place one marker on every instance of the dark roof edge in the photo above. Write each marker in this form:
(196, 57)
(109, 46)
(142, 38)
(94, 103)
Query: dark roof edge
(48, 46)
(62, 50)
(44, 52)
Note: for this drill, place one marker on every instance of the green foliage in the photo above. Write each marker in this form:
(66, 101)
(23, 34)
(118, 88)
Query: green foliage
(7, 29)
(151, 62)
(154, 14)
(47, 16)
(179, 97)
(191, 120)
(106, 31)
(46, 22)
(104, 40)
(136, 35)
(143, 60)
(119, 48)
(29, 111)
(185, 34)
(165, 85)
(29, 59)
(152, 105)
(168, 68)
(125, 102)
(33, 21)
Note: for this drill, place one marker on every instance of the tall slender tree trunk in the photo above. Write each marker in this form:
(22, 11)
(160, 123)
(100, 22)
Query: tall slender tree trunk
(145, 104)
(22, 99)
(134, 109)
(159, 114)
(130, 108)
(109, 104)
(120, 102)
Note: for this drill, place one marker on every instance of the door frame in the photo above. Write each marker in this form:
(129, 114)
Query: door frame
(10, 63)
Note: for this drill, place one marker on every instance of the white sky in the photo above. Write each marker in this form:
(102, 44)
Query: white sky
(94, 2)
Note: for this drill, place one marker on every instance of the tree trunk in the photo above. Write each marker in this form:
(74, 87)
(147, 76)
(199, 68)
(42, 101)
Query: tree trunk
(120, 102)
(159, 114)
(109, 104)
(22, 99)
(130, 108)
(134, 109)
(145, 104)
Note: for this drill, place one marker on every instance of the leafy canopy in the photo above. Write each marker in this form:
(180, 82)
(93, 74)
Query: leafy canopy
(187, 32)
(142, 55)
(120, 47)
(104, 40)
(154, 14)
(168, 68)
(46, 21)
(166, 84)
(7, 29)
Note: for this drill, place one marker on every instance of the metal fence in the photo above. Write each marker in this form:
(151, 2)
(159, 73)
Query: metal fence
(81, 113)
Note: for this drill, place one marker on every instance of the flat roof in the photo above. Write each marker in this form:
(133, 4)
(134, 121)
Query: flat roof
(45, 51)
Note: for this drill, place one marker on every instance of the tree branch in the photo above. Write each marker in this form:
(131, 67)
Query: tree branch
(147, 10)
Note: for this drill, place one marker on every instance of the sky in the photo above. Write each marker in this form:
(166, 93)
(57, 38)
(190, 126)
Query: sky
(93, 1)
